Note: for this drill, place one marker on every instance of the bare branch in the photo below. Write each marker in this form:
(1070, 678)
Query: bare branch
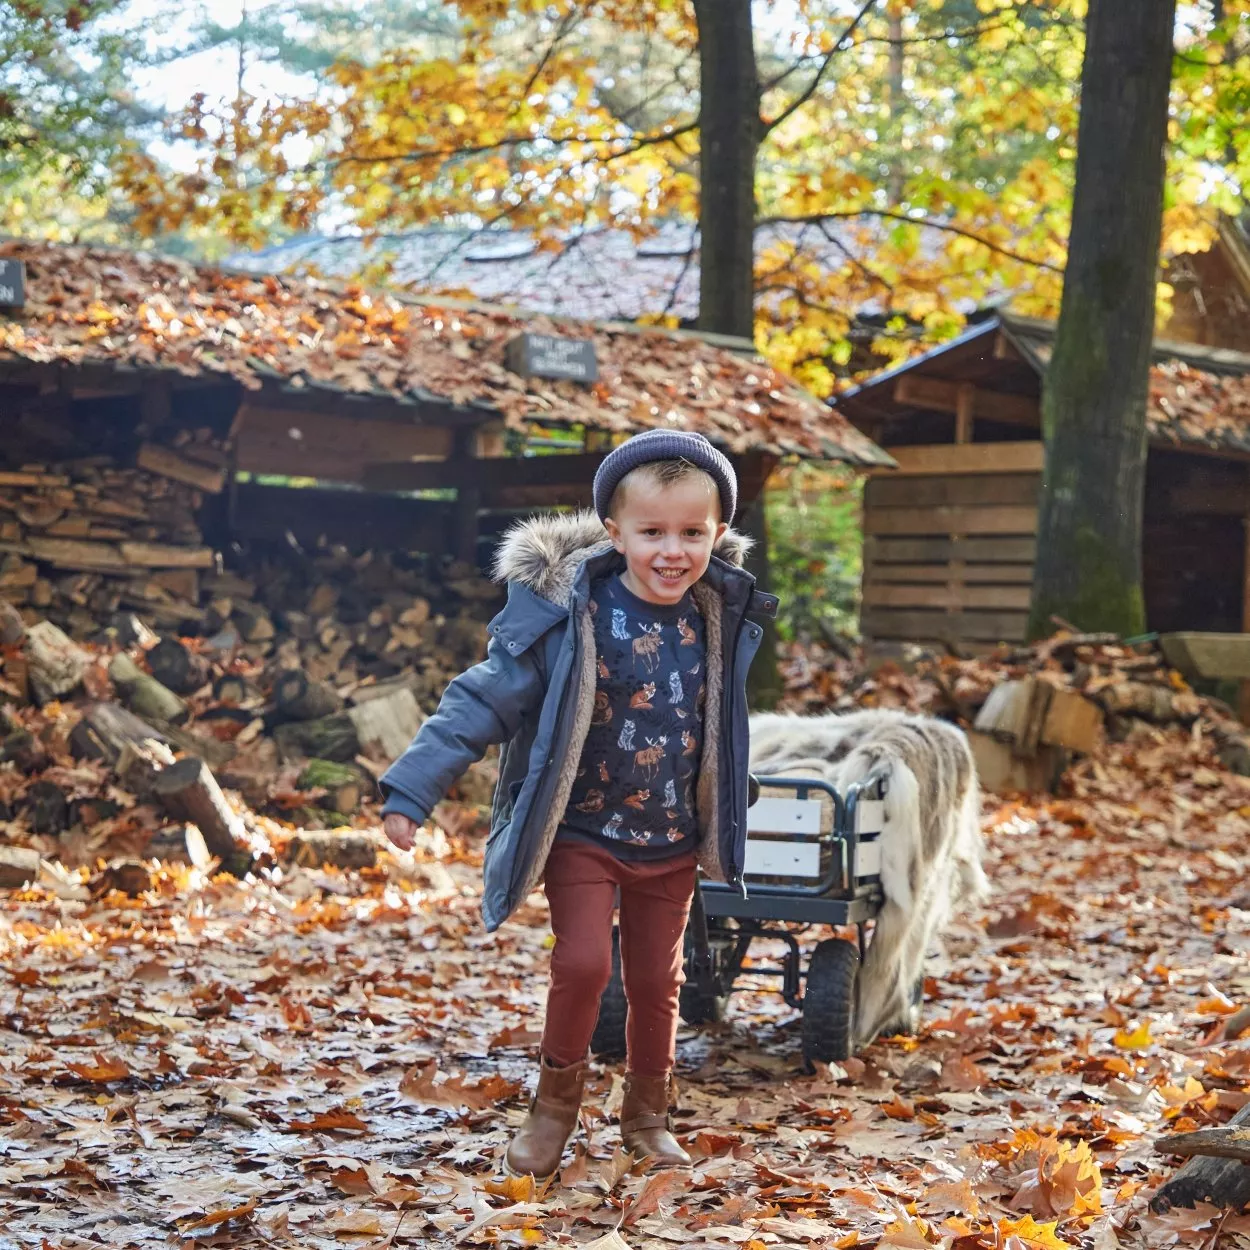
(929, 222)
(798, 102)
(480, 149)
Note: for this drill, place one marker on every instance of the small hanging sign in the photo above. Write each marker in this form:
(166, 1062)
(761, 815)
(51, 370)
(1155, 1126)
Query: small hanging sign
(546, 356)
(12, 283)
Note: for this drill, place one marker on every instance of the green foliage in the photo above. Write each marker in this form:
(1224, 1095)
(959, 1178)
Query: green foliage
(816, 549)
(65, 103)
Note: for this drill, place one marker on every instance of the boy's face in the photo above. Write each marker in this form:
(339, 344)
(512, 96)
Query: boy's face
(666, 534)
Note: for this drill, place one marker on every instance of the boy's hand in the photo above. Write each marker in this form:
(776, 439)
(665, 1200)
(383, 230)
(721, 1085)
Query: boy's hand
(402, 830)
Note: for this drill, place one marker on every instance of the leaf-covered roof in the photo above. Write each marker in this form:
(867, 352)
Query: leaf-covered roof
(1199, 396)
(99, 306)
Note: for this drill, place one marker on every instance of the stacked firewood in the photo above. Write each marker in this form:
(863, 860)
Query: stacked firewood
(83, 540)
(150, 686)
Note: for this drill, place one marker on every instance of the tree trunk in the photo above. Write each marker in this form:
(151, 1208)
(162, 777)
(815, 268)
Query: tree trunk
(1094, 407)
(729, 128)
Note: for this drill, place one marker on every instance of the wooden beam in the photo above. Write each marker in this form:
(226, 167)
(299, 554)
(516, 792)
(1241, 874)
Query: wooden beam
(985, 574)
(939, 395)
(940, 550)
(961, 521)
(498, 474)
(956, 596)
(953, 490)
(1243, 690)
(1209, 499)
(941, 458)
(334, 448)
(918, 625)
(964, 400)
(468, 497)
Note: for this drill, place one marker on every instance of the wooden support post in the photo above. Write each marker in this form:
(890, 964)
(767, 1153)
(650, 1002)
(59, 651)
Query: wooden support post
(764, 680)
(964, 400)
(468, 500)
(1243, 690)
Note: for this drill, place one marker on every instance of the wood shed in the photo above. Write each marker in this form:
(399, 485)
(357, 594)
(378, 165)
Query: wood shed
(351, 415)
(950, 535)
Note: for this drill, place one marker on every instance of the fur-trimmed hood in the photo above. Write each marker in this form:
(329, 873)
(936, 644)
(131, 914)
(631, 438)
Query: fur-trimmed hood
(545, 552)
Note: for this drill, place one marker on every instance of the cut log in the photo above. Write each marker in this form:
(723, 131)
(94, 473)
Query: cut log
(340, 848)
(253, 622)
(330, 738)
(213, 751)
(56, 665)
(1001, 771)
(230, 688)
(143, 694)
(1148, 702)
(1223, 1181)
(107, 729)
(298, 698)
(1072, 721)
(176, 666)
(12, 627)
(1226, 1142)
(168, 463)
(46, 808)
(18, 867)
(342, 783)
(1237, 1023)
(26, 751)
(386, 726)
(165, 556)
(189, 791)
(67, 553)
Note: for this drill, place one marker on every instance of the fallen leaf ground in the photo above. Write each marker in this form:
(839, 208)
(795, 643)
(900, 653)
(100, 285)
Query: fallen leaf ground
(337, 1060)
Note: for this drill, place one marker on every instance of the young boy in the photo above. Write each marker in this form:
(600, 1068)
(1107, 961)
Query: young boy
(615, 678)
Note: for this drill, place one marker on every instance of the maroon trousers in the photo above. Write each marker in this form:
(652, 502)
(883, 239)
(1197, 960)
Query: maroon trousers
(581, 881)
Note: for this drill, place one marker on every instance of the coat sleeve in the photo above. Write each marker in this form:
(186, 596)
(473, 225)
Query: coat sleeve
(486, 704)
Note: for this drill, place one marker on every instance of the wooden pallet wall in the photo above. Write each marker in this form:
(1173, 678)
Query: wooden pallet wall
(949, 543)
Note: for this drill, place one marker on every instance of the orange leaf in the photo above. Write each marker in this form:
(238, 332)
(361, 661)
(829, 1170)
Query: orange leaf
(897, 1109)
(103, 1070)
(222, 1216)
(662, 1185)
(331, 1122)
(1031, 1234)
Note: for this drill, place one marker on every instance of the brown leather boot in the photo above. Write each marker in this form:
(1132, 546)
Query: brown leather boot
(540, 1141)
(645, 1127)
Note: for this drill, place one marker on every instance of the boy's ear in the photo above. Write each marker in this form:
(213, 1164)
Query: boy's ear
(614, 532)
(721, 530)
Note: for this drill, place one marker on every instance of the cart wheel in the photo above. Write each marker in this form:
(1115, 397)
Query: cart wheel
(608, 1038)
(829, 1002)
(698, 1007)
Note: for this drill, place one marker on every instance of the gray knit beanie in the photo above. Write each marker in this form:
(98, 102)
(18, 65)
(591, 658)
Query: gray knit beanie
(656, 445)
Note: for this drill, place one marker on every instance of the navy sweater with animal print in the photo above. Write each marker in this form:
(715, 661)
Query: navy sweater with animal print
(635, 787)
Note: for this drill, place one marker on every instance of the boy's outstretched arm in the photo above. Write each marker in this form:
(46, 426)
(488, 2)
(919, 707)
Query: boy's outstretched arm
(486, 704)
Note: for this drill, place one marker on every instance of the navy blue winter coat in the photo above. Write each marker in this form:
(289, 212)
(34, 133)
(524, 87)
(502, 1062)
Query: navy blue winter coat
(534, 693)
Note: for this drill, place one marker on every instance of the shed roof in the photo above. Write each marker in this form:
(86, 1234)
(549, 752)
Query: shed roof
(1199, 396)
(87, 305)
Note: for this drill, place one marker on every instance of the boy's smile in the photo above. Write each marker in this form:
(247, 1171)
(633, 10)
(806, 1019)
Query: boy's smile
(666, 534)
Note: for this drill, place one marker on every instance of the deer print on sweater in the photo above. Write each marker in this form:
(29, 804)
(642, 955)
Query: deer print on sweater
(647, 761)
(647, 648)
